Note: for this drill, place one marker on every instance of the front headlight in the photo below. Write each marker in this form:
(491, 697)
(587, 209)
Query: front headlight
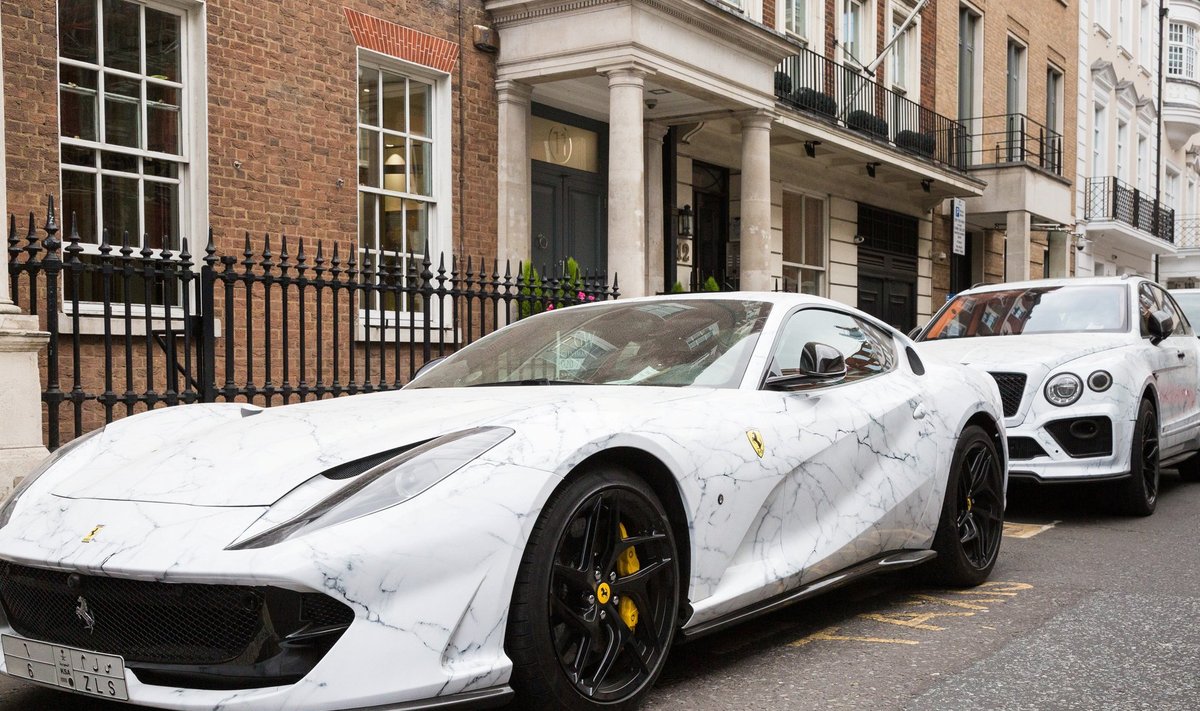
(11, 504)
(1063, 389)
(397, 480)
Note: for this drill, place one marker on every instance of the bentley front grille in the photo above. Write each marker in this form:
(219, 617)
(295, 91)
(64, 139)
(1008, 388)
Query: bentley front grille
(1012, 388)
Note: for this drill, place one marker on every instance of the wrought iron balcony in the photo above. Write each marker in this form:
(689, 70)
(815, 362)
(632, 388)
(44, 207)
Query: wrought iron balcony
(1187, 232)
(1013, 138)
(1109, 198)
(811, 83)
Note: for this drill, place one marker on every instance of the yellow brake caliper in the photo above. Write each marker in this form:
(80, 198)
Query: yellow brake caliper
(627, 564)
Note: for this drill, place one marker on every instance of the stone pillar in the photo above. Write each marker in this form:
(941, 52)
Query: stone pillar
(1016, 263)
(1060, 253)
(755, 274)
(20, 385)
(654, 208)
(626, 179)
(512, 164)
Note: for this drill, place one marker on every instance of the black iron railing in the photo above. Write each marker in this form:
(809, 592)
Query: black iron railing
(1108, 198)
(1013, 138)
(131, 330)
(1187, 232)
(811, 83)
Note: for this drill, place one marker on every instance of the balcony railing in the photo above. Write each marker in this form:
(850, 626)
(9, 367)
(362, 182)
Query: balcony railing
(811, 83)
(1013, 138)
(1187, 232)
(1111, 199)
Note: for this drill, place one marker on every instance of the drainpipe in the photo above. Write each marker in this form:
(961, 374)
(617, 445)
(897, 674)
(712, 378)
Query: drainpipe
(1162, 25)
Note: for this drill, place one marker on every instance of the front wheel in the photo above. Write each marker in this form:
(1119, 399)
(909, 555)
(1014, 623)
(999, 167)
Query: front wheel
(596, 601)
(1139, 493)
(972, 521)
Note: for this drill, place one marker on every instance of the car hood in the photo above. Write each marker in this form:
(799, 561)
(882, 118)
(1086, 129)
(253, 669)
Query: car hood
(240, 455)
(1024, 354)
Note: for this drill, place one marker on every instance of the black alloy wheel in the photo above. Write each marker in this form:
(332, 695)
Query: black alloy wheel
(596, 602)
(1139, 496)
(972, 521)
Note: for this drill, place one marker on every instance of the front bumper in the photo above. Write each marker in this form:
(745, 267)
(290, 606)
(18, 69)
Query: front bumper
(428, 582)
(1054, 463)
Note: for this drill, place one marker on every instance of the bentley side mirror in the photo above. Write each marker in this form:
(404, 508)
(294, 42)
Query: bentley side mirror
(818, 363)
(914, 333)
(1161, 326)
(428, 365)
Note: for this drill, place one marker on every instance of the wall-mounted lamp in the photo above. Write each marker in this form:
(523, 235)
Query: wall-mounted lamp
(926, 184)
(810, 148)
(871, 167)
(686, 217)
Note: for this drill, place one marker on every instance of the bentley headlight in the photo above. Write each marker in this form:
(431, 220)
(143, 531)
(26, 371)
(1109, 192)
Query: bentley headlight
(394, 481)
(11, 504)
(1064, 389)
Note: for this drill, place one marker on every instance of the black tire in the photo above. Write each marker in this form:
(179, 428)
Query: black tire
(971, 525)
(1138, 494)
(568, 636)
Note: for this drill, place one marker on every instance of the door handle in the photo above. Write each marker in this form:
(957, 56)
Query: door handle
(919, 412)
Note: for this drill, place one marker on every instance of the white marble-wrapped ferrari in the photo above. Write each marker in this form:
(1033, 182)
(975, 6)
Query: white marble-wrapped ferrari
(542, 513)
(1098, 376)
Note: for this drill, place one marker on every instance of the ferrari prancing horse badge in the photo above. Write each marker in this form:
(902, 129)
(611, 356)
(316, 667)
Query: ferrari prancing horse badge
(756, 441)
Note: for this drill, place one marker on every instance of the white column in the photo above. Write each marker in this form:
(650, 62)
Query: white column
(20, 386)
(755, 272)
(512, 168)
(1060, 254)
(626, 180)
(1017, 246)
(654, 207)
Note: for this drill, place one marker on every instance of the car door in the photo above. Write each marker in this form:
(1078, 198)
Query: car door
(858, 485)
(1183, 351)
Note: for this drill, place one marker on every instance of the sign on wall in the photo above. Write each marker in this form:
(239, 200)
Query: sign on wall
(958, 208)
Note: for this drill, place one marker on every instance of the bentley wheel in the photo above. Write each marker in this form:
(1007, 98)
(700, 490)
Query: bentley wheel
(972, 521)
(1139, 495)
(595, 605)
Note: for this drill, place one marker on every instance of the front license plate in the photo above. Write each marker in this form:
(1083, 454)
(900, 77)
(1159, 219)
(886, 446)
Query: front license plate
(68, 668)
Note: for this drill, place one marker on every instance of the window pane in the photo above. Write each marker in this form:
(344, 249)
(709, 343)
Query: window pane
(368, 96)
(368, 158)
(162, 215)
(419, 108)
(163, 118)
(77, 29)
(416, 225)
(122, 35)
(79, 204)
(814, 232)
(162, 45)
(122, 114)
(77, 103)
(120, 208)
(78, 156)
(391, 224)
(367, 211)
(393, 165)
(160, 168)
(793, 226)
(393, 102)
(119, 161)
(419, 166)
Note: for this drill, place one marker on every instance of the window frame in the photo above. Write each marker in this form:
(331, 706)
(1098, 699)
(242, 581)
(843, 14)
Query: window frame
(823, 266)
(439, 229)
(768, 367)
(1182, 47)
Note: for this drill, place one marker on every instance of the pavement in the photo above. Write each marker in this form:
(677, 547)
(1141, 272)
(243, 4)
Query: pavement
(1085, 610)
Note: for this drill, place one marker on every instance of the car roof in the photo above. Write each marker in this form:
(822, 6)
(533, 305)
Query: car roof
(1060, 282)
(781, 298)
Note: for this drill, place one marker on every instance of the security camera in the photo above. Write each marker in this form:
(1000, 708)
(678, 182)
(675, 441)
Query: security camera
(859, 239)
(1081, 243)
(651, 103)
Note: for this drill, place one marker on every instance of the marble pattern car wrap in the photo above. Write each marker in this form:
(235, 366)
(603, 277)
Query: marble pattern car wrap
(847, 471)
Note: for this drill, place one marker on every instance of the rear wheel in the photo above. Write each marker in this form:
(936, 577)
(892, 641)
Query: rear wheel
(596, 601)
(1139, 493)
(972, 521)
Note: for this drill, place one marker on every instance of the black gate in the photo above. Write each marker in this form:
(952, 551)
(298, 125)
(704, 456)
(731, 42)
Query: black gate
(134, 329)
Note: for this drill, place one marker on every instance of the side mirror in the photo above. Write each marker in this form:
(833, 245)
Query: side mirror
(1161, 326)
(818, 363)
(915, 332)
(428, 365)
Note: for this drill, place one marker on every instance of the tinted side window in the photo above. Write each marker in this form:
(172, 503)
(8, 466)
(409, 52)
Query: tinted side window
(1182, 327)
(1148, 302)
(868, 350)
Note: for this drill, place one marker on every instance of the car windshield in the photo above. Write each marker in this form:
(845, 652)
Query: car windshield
(1189, 301)
(1043, 309)
(672, 342)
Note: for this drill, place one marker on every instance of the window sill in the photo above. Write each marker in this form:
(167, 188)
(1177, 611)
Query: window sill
(92, 324)
(388, 333)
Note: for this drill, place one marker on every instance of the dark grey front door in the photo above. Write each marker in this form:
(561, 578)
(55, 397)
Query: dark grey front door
(568, 219)
(889, 299)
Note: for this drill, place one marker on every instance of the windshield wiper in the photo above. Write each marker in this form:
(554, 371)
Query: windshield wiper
(530, 381)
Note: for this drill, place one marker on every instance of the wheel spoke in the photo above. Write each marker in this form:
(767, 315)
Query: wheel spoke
(571, 616)
(591, 536)
(968, 530)
(611, 651)
(580, 579)
(637, 581)
(581, 658)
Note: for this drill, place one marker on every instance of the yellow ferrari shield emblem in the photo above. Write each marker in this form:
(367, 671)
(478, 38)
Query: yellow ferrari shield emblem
(756, 441)
(603, 593)
(88, 538)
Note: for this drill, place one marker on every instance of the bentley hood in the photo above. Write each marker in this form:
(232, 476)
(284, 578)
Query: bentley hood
(225, 455)
(1037, 354)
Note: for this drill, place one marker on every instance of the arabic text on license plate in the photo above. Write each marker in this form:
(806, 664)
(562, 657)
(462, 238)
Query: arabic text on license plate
(68, 668)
